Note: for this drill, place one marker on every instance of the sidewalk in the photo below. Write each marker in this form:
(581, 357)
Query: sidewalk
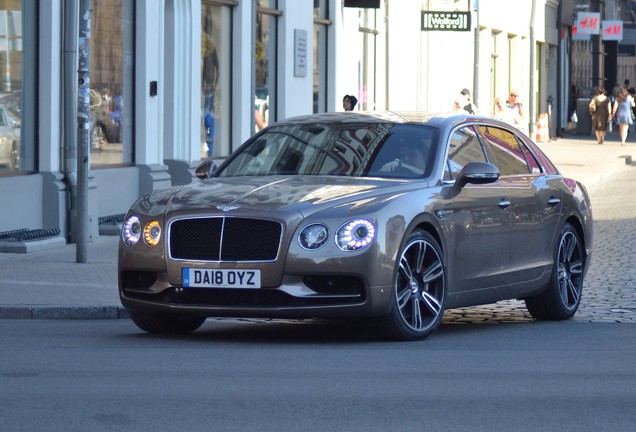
(50, 284)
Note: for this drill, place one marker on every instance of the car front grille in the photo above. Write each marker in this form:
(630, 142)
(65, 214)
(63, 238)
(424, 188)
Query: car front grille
(225, 239)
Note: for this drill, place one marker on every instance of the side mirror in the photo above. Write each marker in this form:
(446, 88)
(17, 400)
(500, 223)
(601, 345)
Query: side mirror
(477, 173)
(205, 170)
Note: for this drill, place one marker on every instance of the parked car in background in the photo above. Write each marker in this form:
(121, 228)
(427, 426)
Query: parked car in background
(9, 138)
(105, 120)
(390, 217)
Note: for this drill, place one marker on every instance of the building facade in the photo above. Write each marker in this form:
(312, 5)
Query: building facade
(175, 82)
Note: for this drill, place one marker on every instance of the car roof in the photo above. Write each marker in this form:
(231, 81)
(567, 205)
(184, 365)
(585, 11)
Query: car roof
(400, 117)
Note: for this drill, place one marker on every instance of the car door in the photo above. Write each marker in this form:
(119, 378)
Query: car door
(534, 203)
(480, 220)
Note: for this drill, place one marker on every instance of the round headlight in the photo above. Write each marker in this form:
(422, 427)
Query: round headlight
(152, 233)
(355, 235)
(131, 231)
(313, 236)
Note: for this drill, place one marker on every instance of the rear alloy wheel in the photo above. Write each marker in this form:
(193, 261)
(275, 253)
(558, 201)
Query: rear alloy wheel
(167, 324)
(420, 289)
(562, 297)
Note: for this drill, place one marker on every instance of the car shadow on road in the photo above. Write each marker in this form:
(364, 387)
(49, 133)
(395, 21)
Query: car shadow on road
(320, 332)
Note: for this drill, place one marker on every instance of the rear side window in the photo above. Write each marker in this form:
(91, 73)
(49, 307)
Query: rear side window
(508, 152)
(464, 147)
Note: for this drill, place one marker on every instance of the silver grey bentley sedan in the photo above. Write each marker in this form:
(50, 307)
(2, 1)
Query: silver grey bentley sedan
(387, 217)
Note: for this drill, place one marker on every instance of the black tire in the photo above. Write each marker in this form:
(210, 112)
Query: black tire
(165, 324)
(419, 292)
(562, 296)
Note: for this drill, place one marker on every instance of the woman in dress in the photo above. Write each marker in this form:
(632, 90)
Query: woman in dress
(600, 108)
(515, 104)
(622, 111)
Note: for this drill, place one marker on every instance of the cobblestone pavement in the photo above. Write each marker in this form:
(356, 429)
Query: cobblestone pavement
(609, 290)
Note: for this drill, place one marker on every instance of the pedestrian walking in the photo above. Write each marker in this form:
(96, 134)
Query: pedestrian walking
(514, 103)
(505, 114)
(468, 104)
(622, 111)
(458, 105)
(600, 109)
(349, 102)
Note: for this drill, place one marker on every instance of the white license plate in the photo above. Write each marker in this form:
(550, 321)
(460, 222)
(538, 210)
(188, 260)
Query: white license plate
(221, 278)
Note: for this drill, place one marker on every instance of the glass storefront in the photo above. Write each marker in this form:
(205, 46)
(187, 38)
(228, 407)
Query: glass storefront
(265, 63)
(111, 75)
(368, 62)
(321, 23)
(216, 25)
(17, 153)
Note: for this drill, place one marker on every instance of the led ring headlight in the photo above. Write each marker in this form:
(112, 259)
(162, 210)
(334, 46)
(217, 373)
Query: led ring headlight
(131, 231)
(355, 234)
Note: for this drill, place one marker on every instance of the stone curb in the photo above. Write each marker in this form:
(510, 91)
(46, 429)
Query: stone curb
(63, 312)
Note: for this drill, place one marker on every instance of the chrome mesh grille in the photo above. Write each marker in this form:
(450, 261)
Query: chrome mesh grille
(225, 239)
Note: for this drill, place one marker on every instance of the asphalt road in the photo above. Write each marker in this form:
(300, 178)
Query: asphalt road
(272, 376)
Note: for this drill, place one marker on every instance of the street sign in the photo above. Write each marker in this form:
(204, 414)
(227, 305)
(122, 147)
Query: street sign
(612, 30)
(445, 21)
(588, 23)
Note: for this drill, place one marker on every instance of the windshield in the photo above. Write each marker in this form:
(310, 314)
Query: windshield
(340, 149)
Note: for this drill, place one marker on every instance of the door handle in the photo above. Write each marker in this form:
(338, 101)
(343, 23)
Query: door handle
(553, 201)
(504, 204)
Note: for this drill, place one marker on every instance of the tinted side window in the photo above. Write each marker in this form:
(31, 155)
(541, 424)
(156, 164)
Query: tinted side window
(535, 168)
(463, 147)
(507, 150)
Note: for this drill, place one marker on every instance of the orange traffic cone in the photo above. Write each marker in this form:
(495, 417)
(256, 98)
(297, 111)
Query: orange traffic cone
(542, 134)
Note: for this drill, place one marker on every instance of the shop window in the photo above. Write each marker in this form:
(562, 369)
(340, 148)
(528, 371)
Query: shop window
(321, 26)
(265, 63)
(111, 92)
(216, 26)
(368, 60)
(17, 84)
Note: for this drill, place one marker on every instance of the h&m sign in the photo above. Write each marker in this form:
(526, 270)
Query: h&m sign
(445, 21)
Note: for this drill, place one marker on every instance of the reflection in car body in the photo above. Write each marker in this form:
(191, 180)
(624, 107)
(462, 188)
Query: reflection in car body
(309, 213)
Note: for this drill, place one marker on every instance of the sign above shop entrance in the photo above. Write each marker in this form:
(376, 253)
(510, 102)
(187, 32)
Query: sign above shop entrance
(445, 21)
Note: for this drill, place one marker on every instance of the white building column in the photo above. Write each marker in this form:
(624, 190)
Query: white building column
(181, 88)
(149, 61)
(295, 93)
(242, 72)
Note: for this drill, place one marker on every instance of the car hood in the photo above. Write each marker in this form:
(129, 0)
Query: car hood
(304, 194)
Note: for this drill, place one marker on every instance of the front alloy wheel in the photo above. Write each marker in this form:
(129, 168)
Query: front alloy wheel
(419, 291)
(562, 297)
